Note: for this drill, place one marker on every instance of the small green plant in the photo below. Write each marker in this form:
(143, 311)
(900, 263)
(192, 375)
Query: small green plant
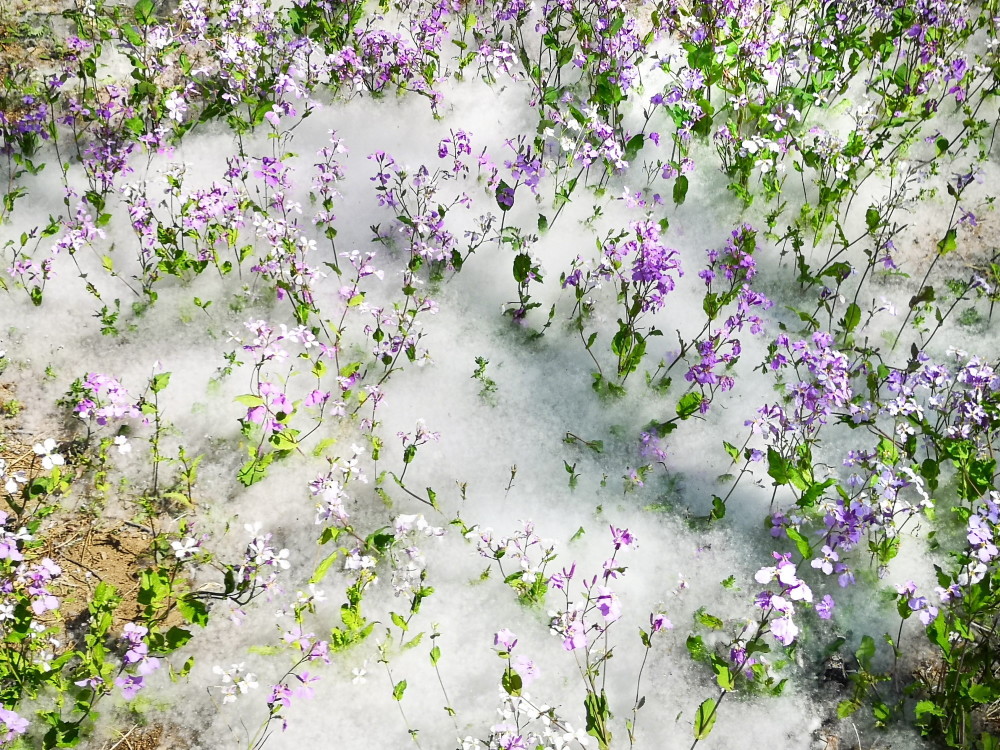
(488, 386)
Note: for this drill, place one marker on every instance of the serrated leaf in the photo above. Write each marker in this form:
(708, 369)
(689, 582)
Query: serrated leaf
(981, 693)
(924, 708)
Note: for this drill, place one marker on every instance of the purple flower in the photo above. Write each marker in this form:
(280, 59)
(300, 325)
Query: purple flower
(505, 640)
(784, 630)
(575, 636)
(14, 724)
(659, 622)
(608, 604)
(130, 685)
(824, 608)
(622, 537)
(526, 668)
(281, 695)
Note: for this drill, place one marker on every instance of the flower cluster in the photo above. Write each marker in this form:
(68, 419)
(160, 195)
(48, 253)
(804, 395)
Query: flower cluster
(529, 553)
(408, 562)
(236, 681)
(791, 589)
(103, 399)
(258, 571)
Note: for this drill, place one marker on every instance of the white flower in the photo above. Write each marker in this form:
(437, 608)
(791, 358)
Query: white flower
(765, 575)
(123, 445)
(13, 479)
(176, 106)
(281, 559)
(45, 450)
(314, 595)
(359, 673)
(185, 549)
(579, 735)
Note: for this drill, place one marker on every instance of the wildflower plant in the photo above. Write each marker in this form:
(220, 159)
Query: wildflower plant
(848, 147)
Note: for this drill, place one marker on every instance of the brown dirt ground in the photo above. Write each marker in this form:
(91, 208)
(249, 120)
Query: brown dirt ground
(90, 550)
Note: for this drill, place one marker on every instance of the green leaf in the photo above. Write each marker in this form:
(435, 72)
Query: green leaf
(926, 294)
(144, 12)
(511, 682)
(708, 620)
(522, 267)
(680, 189)
(254, 470)
(777, 467)
(132, 35)
(981, 693)
(688, 405)
(633, 147)
(801, 543)
(732, 451)
(846, 708)
(413, 642)
(399, 621)
(704, 719)
(193, 610)
(724, 676)
(949, 242)
(265, 650)
(398, 689)
(159, 382)
(321, 570)
(598, 714)
(887, 451)
(865, 652)
(852, 317)
(435, 655)
(696, 647)
(872, 218)
(924, 708)
(718, 511)
(176, 637)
